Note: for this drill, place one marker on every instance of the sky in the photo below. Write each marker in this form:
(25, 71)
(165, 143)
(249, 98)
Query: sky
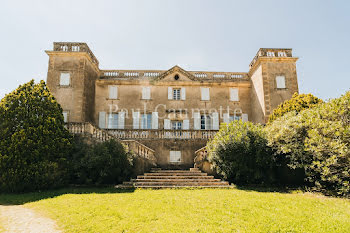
(215, 35)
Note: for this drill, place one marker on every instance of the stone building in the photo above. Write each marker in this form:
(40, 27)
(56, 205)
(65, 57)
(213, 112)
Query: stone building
(175, 111)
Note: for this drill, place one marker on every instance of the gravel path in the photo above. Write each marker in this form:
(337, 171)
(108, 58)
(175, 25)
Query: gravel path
(16, 218)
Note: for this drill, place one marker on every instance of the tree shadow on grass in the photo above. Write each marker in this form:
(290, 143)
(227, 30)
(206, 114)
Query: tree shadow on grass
(22, 198)
(269, 189)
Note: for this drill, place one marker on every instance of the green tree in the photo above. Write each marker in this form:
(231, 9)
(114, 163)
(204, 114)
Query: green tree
(240, 154)
(317, 140)
(297, 103)
(33, 141)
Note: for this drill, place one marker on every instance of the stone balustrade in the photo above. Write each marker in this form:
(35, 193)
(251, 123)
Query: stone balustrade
(269, 52)
(74, 47)
(155, 73)
(162, 134)
(87, 129)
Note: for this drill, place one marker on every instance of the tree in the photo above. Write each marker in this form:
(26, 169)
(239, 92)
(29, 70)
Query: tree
(240, 154)
(33, 141)
(317, 140)
(297, 103)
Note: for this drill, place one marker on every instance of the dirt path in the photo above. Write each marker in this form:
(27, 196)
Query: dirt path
(16, 218)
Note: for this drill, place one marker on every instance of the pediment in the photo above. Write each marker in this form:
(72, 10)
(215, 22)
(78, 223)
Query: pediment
(176, 74)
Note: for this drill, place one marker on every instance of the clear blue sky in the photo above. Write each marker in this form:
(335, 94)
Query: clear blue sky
(195, 34)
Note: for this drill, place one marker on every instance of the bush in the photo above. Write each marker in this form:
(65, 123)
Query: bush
(296, 104)
(239, 153)
(317, 140)
(100, 163)
(33, 141)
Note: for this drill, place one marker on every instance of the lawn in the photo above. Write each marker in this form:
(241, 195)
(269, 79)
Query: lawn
(189, 210)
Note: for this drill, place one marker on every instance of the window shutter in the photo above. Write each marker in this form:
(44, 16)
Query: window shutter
(113, 92)
(215, 119)
(136, 120)
(154, 120)
(183, 93)
(102, 120)
(281, 82)
(65, 116)
(65, 79)
(226, 118)
(186, 124)
(234, 94)
(121, 120)
(205, 93)
(167, 124)
(244, 117)
(197, 120)
(146, 93)
(170, 93)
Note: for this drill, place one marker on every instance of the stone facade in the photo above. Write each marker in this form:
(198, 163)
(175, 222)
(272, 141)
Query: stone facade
(168, 110)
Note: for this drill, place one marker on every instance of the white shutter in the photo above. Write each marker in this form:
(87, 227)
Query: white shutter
(65, 79)
(146, 93)
(102, 120)
(113, 92)
(226, 118)
(186, 124)
(65, 116)
(244, 117)
(136, 120)
(121, 120)
(154, 120)
(170, 93)
(167, 124)
(197, 120)
(234, 94)
(205, 93)
(215, 118)
(183, 93)
(281, 82)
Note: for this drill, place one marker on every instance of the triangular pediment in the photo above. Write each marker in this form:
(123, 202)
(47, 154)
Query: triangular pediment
(176, 72)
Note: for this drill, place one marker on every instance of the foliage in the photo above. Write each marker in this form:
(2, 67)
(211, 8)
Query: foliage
(195, 210)
(33, 140)
(317, 140)
(296, 104)
(99, 163)
(239, 153)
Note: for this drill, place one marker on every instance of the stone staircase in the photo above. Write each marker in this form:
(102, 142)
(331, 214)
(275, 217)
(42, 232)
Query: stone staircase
(158, 178)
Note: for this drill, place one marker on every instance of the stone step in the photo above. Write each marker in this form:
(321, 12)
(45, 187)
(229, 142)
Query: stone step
(170, 186)
(175, 180)
(175, 171)
(169, 183)
(174, 177)
(176, 174)
(193, 169)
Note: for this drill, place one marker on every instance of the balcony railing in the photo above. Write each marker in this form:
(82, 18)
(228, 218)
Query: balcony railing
(271, 52)
(162, 134)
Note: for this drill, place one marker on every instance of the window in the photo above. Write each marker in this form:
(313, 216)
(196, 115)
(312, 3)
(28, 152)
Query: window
(112, 121)
(176, 93)
(176, 125)
(65, 116)
(205, 122)
(146, 93)
(205, 93)
(234, 118)
(280, 82)
(175, 156)
(270, 54)
(234, 94)
(65, 79)
(282, 54)
(146, 121)
(113, 92)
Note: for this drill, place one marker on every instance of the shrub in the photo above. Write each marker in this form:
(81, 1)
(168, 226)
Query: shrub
(296, 104)
(33, 141)
(100, 163)
(317, 140)
(239, 153)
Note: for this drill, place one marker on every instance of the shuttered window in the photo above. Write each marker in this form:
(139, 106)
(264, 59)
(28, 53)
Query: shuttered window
(65, 79)
(113, 92)
(146, 93)
(281, 82)
(205, 93)
(234, 94)
(175, 156)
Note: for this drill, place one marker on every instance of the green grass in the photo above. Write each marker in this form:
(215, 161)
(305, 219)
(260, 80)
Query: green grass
(186, 210)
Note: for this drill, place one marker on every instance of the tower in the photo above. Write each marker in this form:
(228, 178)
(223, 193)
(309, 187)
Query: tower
(71, 76)
(274, 80)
